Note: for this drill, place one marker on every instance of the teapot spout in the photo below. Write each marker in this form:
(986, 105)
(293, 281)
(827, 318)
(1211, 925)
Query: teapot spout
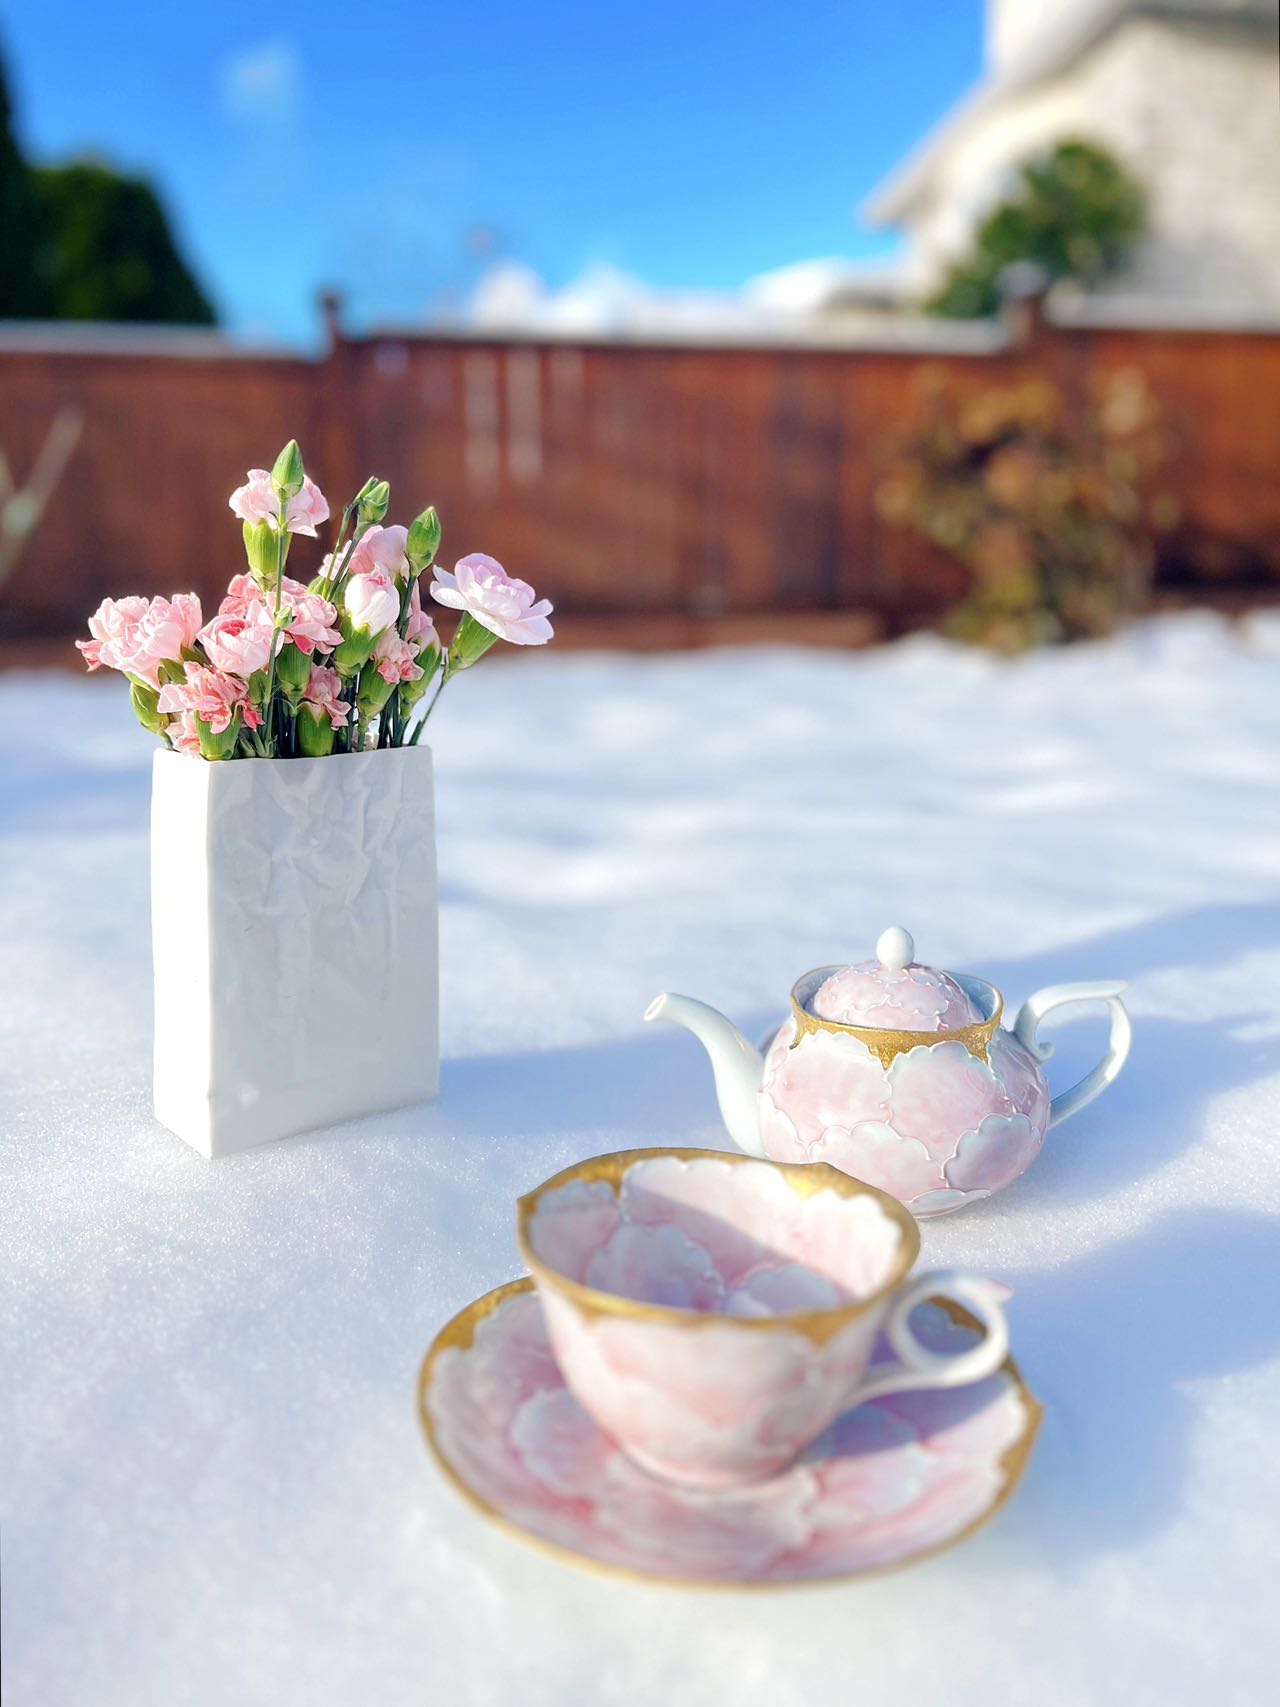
(737, 1065)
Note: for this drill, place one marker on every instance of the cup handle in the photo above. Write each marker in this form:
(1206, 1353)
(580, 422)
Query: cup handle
(917, 1365)
(1027, 1024)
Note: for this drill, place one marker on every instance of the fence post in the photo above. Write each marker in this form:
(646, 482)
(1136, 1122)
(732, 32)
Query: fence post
(339, 423)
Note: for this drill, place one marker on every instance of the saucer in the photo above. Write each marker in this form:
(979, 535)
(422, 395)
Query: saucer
(890, 1482)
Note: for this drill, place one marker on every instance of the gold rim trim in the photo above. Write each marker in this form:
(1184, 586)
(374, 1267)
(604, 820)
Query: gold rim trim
(459, 1333)
(804, 1178)
(886, 1044)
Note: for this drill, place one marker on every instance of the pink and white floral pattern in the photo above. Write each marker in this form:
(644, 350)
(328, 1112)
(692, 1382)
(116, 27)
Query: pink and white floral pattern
(728, 1240)
(908, 998)
(937, 1128)
(887, 1482)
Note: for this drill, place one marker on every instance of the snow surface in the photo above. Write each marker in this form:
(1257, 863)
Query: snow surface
(213, 1486)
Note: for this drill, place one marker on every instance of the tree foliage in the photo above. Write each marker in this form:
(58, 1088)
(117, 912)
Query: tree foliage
(82, 242)
(19, 288)
(1075, 213)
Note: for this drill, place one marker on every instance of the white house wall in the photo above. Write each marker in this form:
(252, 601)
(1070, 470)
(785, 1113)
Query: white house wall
(1191, 108)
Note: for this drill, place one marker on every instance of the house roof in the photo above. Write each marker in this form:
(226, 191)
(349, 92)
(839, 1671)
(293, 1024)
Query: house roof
(1053, 51)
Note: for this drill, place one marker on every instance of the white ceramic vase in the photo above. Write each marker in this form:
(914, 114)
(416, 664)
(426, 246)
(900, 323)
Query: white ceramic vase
(294, 930)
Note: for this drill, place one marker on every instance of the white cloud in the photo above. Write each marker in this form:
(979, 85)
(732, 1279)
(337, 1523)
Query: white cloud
(601, 301)
(509, 295)
(804, 299)
(262, 84)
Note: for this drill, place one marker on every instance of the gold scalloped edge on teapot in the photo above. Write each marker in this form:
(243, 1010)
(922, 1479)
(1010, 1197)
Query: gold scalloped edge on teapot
(886, 1044)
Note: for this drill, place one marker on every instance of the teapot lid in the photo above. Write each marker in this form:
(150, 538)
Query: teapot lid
(893, 992)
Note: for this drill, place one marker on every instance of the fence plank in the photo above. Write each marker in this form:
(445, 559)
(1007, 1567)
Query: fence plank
(675, 481)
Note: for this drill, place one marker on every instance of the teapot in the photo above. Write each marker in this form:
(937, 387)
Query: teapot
(900, 1074)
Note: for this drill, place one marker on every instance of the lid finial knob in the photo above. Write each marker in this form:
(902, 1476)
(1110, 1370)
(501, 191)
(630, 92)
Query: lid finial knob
(895, 949)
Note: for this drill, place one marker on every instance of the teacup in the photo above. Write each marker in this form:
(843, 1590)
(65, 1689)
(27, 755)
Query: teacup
(715, 1313)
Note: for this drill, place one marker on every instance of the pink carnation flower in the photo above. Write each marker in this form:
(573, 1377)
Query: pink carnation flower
(137, 635)
(239, 645)
(256, 501)
(395, 660)
(371, 601)
(420, 629)
(502, 604)
(211, 696)
(313, 621)
(184, 734)
(109, 624)
(323, 695)
(175, 622)
(381, 548)
(241, 596)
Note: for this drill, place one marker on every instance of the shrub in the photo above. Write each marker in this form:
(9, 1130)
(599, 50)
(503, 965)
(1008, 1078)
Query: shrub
(1048, 505)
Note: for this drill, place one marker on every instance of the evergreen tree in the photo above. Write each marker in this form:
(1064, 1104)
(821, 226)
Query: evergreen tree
(82, 242)
(107, 251)
(21, 293)
(1075, 213)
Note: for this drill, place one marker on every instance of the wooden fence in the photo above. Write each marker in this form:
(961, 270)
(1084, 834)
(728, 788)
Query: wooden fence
(636, 481)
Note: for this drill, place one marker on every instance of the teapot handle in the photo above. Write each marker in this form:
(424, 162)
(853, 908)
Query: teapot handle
(1027, 1024)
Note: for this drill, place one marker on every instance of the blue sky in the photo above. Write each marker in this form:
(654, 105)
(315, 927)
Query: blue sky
(394, 149)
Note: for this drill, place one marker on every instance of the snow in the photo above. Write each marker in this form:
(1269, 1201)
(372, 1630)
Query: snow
(213, 1486)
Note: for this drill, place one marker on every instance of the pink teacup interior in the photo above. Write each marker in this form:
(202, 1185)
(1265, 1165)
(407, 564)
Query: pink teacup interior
(729, 1238)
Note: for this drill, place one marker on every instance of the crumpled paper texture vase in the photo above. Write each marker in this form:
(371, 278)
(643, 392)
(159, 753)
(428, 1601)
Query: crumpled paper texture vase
(294, 931)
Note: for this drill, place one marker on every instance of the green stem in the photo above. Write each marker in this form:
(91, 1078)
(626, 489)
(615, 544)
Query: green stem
(431, 705)
(338, 580)
(337, 546)
(354, 728)
(282, 547)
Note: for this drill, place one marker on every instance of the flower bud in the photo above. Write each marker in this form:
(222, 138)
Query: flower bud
(315, 731)
(356, 649)
(293, 671)
(289, 473)
(424, 539)
(470, 643)
(371, 602)
(372, 501)
(260, 549)
(374, 693)
(351, 657)
(143, 700)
